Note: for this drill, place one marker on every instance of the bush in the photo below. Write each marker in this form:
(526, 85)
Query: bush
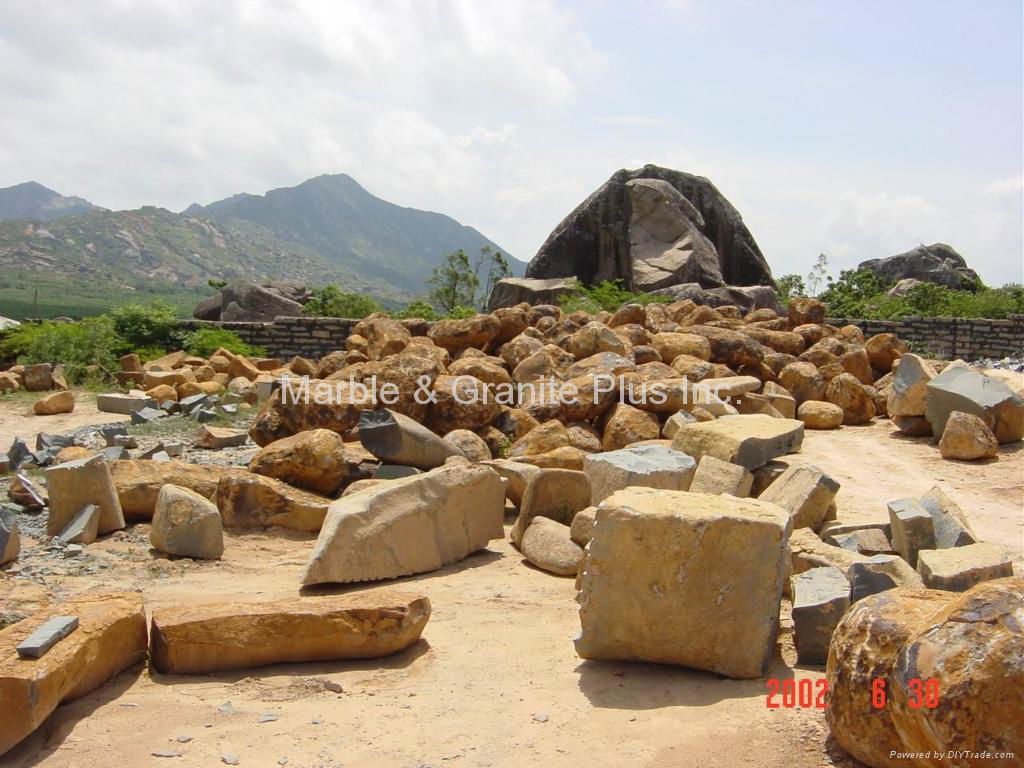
(93, 341)
(205, 341)
(147, 325)
(418, 308)
(331, 301)
(608, 295)
(789, 286)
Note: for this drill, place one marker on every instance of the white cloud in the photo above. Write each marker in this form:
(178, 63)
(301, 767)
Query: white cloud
(1011, 187)
(636, 120)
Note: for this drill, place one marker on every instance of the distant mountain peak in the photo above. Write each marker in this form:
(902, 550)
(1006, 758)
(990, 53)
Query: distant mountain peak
(32, 200)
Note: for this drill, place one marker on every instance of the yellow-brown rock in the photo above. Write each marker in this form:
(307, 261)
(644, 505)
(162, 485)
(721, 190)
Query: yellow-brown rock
(138, 482)
(314, 460)
(248, 500)
(58, 402)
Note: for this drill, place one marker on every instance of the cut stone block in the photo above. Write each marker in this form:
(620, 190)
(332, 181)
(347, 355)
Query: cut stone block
(557, 494)
(960, 568)
(879, 573)
(912, 529)
(683, 578)
(408, 526)
(675, 421)
(111, 637)
(248, 500)
(146, 415)
(948, 520)
(716, 476)
(748, 440)
(74, 484)
(549, 545)
(199, 639)
(10, 538)
(837, 527)
(115, 402)
(960, 388)
(397, 439)
(138, 482)
(807, 551)
(909, 386)
(867, 541)
(649, 466)
(804, 491)
(582, 529)
(83, 528)
(46, 635)
(186, 524)
(219, 437)
(820, 598)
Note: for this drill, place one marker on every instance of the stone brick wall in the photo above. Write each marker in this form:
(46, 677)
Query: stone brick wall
(940, 337)
(948, 338)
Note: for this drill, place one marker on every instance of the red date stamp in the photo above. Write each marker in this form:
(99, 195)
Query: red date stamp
(813, 694)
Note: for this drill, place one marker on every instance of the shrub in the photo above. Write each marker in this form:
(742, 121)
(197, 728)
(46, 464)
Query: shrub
(331, 301)
(418, 308)
(789, 286)
(205, 341)
(608, 295)
(93, 341)
(147, 325)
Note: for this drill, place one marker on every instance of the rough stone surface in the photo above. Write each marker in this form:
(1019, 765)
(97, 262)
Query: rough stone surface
(549, 546)
(287, 412)
(186, 524)
(83, 528)
(397, 439)
(951, 526)
(936, 263)
(817, 414)
(683, 578)
(110, 638)
(967, 437)
(52, 404)
(557, 494)
(208, 638)
(960, 568)
(909, 386)
(820, 598)
(748, 440)
(804, 491)
(879, 573)
(414, 525)
(248, 500)
(912, 528)
(10, 537)
(650, 466)
(849, 394)
(510, 291)
(959, 388)
(218, 437)
(74, 484)
(138, 482)
(314, 460)
(582, 529)
(716, 476)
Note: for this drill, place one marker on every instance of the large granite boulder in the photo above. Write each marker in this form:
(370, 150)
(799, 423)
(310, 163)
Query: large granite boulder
(514, 290)
(936, 263)
(959, 388)
(594, 242)
(746, 297)
(245, 301)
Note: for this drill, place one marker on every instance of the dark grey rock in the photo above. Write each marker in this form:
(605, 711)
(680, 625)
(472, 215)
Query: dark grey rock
(879, 573)
(912, 528)
(10, 537)
(948, 520)
(47, 635)
(959, 388)
(937, 263)
(820, 598)
(115, 453)
(394, 472)
(867, 541)
(18, 453)
(111, 432)
(398, 439)
(244, 301)
(514, 290)
(45, 441)
(83, 527)
(204, 415)
(146, 415)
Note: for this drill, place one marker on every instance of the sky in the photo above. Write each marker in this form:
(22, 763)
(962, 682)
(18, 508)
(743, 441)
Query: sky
(858, 130)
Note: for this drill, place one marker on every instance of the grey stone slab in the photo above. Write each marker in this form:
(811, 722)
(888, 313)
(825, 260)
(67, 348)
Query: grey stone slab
(83, 527)
(959, 568)
(879, 573)
(114, 453)
(146, 415)
(10, 538)
(18, 453)
(869, 541)
(820, 598)
(45, 441)
(47, 635)
(948, 520)
(912, 529)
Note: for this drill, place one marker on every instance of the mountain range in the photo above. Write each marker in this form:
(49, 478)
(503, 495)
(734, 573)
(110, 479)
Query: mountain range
(326, 229)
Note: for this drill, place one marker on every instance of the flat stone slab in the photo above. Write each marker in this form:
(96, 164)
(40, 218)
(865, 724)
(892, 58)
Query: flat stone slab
(820, 598)
(805, 491)
(83, 527)
(912, 528)
(960, 568)
(960, 388)
(116, 402)
(649, 466)
(951, 526)
(750, 440)
(717, 476)
(10, 538)
(207, 638)
(880, 573)
(47, 635)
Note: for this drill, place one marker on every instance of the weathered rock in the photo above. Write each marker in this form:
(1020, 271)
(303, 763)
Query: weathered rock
(866, 541)
(593, 242)
(936, 263)
(817, 414)
(309, 404)
(83, 528)
(384, 336)
(820, 598)
(683, 578)
(959, 388)
(803, 381)
(864, 648)
(50, 405)
(913, 426)
(731, 348)
(557, 494)
(671, 345)
(780, 398)
(186, 524)
(649, 466)
(111, 637)
(462, 402)
(314, 460)
(414, 525)
(138, 482)
(807, 550)
(803, 311)
(626, 425)
(674, 422)
(457, 334)
(967, 437)
(10, 538)
(747, 440)
(912, 528)
(909, 386)
(38, 377)
(209, 638)
(949, 521)
(470, 444)
(219, 437)
(883, 350)
(880, 573)
(582, 529)
(24, 492)
(550, 435)
(849, 394)
(805, 491)
(248, 500)
(510, 291)
(517, 475)
(72, 485)
(397, 439)
(567, 457)
(716, 477)
(960, 568)
(245, 301)
(548, 545)
(972, 650)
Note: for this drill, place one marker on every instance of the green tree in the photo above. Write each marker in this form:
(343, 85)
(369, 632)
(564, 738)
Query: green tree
(460, 282)
(331, 301)
(789, 286)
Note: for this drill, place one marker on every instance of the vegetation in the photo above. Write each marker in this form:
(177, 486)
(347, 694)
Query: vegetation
(91, 342)
(465, 285)
(788, 286)
(608, 295)
(205, 341)
(153, 325)
(331, 301)
(418, 308)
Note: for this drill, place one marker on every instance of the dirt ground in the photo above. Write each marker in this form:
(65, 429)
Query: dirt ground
(17, 419)
(495, 680)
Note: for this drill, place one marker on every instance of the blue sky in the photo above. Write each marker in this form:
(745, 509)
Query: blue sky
(854, 129)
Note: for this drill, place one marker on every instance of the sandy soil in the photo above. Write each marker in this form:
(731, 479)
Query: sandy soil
(495, 680)
(17, 419)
